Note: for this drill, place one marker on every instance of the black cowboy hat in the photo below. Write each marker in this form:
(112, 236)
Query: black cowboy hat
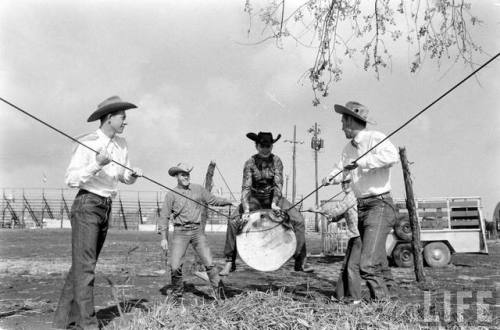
(263, 138)
(110, 105)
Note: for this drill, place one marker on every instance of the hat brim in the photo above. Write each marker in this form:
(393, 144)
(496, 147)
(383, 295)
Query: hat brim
(346, 111)
(173, 171)
(110, 108)
(254, 137)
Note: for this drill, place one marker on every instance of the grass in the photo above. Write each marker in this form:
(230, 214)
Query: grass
(273, 310)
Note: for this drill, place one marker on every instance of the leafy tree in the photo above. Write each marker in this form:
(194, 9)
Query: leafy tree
(339, 29)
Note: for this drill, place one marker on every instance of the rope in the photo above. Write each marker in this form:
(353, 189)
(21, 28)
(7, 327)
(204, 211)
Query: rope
(281, 222)
(406, 123)
(227, 186)
(117, 163)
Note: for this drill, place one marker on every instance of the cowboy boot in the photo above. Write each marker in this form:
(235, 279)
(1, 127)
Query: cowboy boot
(177, 284)
(217, 285)
(230, 266)
(302, 266)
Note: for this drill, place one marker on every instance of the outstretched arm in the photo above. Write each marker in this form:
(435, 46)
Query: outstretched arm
(246, 186)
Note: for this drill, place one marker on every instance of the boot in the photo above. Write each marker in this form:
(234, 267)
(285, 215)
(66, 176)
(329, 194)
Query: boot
(302, 266)
(230, 266)
(177, 283)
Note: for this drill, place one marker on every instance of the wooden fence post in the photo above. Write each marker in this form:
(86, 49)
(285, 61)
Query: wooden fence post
(209, 177)
(412, 212)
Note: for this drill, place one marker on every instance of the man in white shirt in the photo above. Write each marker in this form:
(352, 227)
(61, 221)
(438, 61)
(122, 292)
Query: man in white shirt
(96, 176)
(371, 184)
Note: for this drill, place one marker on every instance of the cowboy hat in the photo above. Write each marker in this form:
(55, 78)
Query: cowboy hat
(263, 138)
(180, 168)
(354, 109)
(110, 105)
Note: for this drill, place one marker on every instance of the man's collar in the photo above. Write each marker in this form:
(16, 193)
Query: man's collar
(357, 139)
(101, 135)
(184, 188)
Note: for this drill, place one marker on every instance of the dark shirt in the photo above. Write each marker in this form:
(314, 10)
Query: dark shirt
(184, 211)
(262, 178)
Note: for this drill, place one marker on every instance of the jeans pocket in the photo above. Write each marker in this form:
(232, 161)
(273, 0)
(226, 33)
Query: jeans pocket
(92, 201)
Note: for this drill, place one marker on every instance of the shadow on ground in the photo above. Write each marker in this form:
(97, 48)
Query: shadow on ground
(108, 314)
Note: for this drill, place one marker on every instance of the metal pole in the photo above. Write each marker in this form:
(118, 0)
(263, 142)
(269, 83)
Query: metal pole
(316, 175)
(286, 186)
(294, 171)
(316, 145)
(294, 174)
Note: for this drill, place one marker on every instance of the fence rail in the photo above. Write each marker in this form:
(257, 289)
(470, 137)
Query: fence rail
(42, 208)
(131, 210)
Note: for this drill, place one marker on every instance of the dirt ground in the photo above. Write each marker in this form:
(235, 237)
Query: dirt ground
(33, 265)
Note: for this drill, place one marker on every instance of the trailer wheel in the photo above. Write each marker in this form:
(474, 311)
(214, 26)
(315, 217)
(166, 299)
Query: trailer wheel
(437, 254)
(402, 255)
(402, 228)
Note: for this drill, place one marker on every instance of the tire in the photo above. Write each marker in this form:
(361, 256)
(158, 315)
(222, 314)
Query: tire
(402, 228)
(402, 255)
(437, 254)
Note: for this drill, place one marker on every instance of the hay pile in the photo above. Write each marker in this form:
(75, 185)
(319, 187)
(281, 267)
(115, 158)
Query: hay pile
(274, 310)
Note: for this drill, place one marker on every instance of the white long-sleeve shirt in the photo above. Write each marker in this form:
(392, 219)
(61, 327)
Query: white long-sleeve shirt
(83, 171)
(373, 174)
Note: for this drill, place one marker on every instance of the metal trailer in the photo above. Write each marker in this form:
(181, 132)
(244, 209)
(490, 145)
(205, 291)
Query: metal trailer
(448, 225)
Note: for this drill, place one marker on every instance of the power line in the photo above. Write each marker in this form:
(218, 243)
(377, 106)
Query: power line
(232, 195)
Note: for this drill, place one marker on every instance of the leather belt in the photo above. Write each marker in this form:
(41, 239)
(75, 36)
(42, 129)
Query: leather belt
(187, 226)
(386, 194)
(106, 200)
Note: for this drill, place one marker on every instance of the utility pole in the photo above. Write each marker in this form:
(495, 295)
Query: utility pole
(286, 186)
(294, 172)
(316, 145)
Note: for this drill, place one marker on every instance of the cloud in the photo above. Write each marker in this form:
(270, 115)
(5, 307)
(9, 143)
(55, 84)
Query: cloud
(158, 115)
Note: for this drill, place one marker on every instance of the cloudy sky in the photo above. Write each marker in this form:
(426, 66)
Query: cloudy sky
(200, 90)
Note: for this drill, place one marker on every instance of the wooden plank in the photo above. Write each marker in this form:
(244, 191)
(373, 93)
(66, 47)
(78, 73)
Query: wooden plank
(465, 223)
(432, 205)
(464, 203)
(464, 214)
(432, 214)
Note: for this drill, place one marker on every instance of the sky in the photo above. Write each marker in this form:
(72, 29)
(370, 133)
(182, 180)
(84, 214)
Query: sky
(200, 88)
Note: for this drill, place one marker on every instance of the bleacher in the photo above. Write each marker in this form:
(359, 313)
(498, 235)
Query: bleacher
(50, 208)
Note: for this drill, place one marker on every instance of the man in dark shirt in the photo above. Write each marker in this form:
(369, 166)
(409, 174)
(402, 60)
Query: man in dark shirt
(186, 217)
(261, 189)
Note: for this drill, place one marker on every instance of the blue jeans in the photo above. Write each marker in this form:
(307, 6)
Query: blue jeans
(181, 239)
(349, 282)
(376, 218)
(89, 226)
